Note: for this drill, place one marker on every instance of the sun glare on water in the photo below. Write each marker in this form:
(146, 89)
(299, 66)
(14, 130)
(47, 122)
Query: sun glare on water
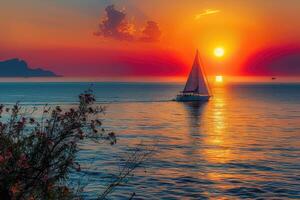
(219, 79)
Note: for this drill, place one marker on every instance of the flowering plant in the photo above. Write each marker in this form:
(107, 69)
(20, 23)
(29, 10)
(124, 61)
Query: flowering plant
(37, 154)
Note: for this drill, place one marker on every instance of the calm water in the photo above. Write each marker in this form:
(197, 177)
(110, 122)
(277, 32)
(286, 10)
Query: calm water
(244, 143)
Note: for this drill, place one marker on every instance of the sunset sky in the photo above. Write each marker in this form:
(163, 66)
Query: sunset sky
(158, 38)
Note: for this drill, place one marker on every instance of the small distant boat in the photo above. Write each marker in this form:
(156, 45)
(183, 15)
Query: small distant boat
(196, 88)
(273, 78)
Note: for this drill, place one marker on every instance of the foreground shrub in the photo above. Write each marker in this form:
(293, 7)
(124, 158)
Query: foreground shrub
(37, 154)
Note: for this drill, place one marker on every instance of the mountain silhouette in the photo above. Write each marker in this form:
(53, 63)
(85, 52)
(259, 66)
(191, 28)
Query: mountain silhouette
(19, 68)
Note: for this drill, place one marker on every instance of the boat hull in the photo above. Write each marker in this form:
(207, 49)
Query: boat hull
(189, 97)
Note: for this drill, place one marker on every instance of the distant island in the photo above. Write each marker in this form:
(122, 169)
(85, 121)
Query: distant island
(19, 68)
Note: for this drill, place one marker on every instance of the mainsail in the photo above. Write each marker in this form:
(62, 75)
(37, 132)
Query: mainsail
(197, 82)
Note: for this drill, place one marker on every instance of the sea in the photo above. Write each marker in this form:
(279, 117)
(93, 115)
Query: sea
(242, 144)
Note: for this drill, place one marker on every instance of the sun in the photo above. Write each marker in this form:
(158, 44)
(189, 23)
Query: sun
(219, 52)
(219, 79)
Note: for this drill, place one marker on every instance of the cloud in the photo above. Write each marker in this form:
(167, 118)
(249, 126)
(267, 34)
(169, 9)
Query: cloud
(206, 12)
(274, 61)
(151, 33)
(115, 26)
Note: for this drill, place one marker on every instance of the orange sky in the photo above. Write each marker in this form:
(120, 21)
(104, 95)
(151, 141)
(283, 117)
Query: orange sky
(59, 35)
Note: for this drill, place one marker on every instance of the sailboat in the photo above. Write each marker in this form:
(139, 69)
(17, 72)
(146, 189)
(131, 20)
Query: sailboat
(196, 88)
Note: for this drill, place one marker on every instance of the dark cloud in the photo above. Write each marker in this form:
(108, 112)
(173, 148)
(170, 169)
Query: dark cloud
(279, 61)
(151, 32)
(115, 26)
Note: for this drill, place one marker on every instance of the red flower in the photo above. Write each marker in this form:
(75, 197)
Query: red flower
(22, 162)
(2, 159)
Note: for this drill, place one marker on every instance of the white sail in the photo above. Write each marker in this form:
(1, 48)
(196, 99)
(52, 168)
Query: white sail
(197, 82)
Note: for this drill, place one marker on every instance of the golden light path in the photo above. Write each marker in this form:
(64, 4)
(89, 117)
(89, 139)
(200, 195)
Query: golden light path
(219, 79)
